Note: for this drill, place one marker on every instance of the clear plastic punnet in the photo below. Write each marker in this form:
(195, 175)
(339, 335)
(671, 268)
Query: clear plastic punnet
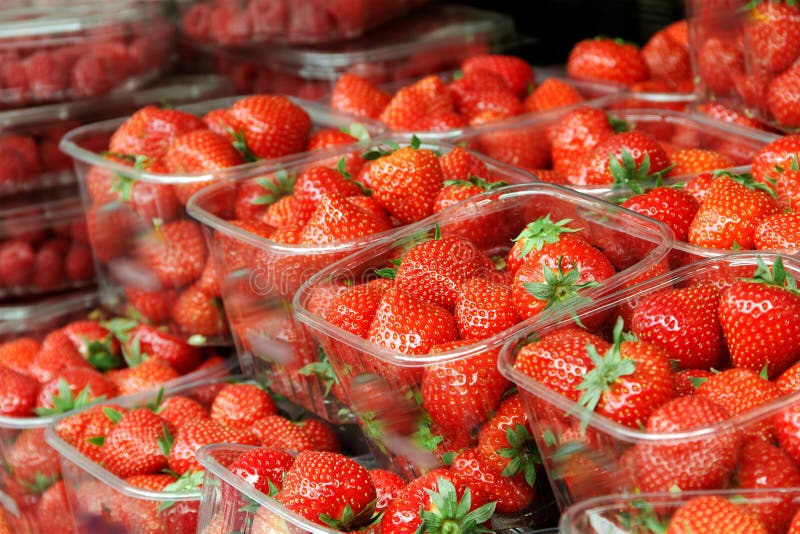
(418, 407)
(69, 52)
(436, 39)
(122, 228)
(588, 454)
(259, 277)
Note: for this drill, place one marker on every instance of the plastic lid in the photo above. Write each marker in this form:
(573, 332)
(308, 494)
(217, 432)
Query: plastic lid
(21, 317)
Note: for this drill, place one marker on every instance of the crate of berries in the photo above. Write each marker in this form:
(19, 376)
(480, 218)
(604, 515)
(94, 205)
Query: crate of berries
(284, 227)
(152, 257)
(69, 52)
(132, 464)
(60, 355)
(665, 386)
(414, 332)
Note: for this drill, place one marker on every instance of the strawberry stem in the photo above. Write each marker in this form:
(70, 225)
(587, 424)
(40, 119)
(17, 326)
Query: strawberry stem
(543, 231)
(777, 276)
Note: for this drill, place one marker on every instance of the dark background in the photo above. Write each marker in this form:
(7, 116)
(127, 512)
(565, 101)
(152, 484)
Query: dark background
(556, 25)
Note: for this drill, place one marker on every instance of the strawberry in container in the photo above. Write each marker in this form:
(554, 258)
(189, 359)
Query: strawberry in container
(58, 356)
(51, 55)
(255, 489)
(132, 465)
(760, 511)
(434, 40)
(152, 258)
(414, 336)
(598, 148)
(287, 225)
(667, 386)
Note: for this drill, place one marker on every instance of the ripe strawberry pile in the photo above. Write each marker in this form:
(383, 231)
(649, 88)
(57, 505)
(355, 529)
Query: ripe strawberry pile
(690, 362)
(726, 211)
(44, 248)
(487, 88)
(138, 227)
(83, 64)
(154, 448)
(746, 56)
(590, 146)
(304, 22)
(26, 156)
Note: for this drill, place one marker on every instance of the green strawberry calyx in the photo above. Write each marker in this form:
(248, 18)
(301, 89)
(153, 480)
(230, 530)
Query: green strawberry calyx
(523, 453)
(379, 151)
(747, 180)
(542, 231)
(350, 520)
(560, 290)
(609, 368)
(240, 144)
(189, 482)
(64, 400)
(618, 125)
(449, 515)
(638, 179)
(359, 131)
(323, 370)
(100, 355)
(777, 276)
(341, 167)
(642, 517)
(475, 181)
(281, 184)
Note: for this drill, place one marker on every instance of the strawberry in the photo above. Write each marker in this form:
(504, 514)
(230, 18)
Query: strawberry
(137, 444)
(344, 507)
(789, 380)
(668, 58)
(195, 313)
(475, 81)
(511, 494)
(674, 207)
(412, 104)
(688, 464)
(217, 121)
(193, 435)
(730, 212)
(711, 513)
(579, 132)
(315, 182)
(517, 74)
(554, 276)
(779, 231)
(322, 435)
(329, 137)
(685, 380)
(52, 512)
(694, 160)
(281, 433)
(73, 388)
(505, 443)
(111, 230)
(358, 96)
(31, 461)
(79, 264)
(483, 308)
(406, 182)
(433, 270)
(18, 397)
(762, 465)
(718, 59)
(724, 113)
(787, 186)
(631, 159)
(778, 153)
(534, 236)
(388, 485)
(525, 146)
(606, 59)
(628, 382)
(458, 164)
(460, 394)
(496, 104)
(768, 304)
(263, 467)
(150, 131)
(199, 151)
(772, 36)
(162, 345)
(684, 322)
(87, 430)
(48, 266)
(779, 98)
(409, 326)
(438, 498)
(145, 376)
(95, 343)
(550, 94)
(271, 126)
(175, 252)
(57, 353)
(335, 220)
(178, 410)
(699, 185)
(739, 391)
(18, 353)
(355, 309)
(17, 259)
(240, 405)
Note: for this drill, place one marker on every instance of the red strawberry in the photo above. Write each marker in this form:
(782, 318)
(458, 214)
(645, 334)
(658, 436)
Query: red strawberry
(685, 323)
(505, 443)
(19, 393)
(315, 182)
(631, 159)
(19, 353)
(346, 506)
(73, 388)
(278, 432)
(476, 107)
(534, 236)
(460, 394)
(694, 160)
(779, 231)
(483, 308)
(688, 464)
(52, 512)
(57, 353)
(48, 266)
(178, 410)
(578, 133)
(674, 207)
(328, 138)
(667, 58)
(264, 468)
(779, 98)
(525, 146)
(512, 494)
(778, 153)
(476, 81)
(608, 60)
(271, 126)
(685, 380)
(176, 252)
(357, 96)
(150, 131)
(406, 182)
(145, 376)
(628, 382)
(137, 444)
(199, 432)
(322, 435)
(79, 264)
(413, 104)
(517, 74)
(438, 497)
(31, 461)
(730, 212)
(95, 343)
(355, 309)
(768, 304)
(718, 59)
(209, 281)
(458, 164)
(724, 113)
(111, 228)
(335, 220)
(17, 259)
(772, 36)
(217, 121)
(196, 313)
(711, 513)
(388, 485)
(162, 345)
(201, 150)
(240, 405)
(550, 94)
